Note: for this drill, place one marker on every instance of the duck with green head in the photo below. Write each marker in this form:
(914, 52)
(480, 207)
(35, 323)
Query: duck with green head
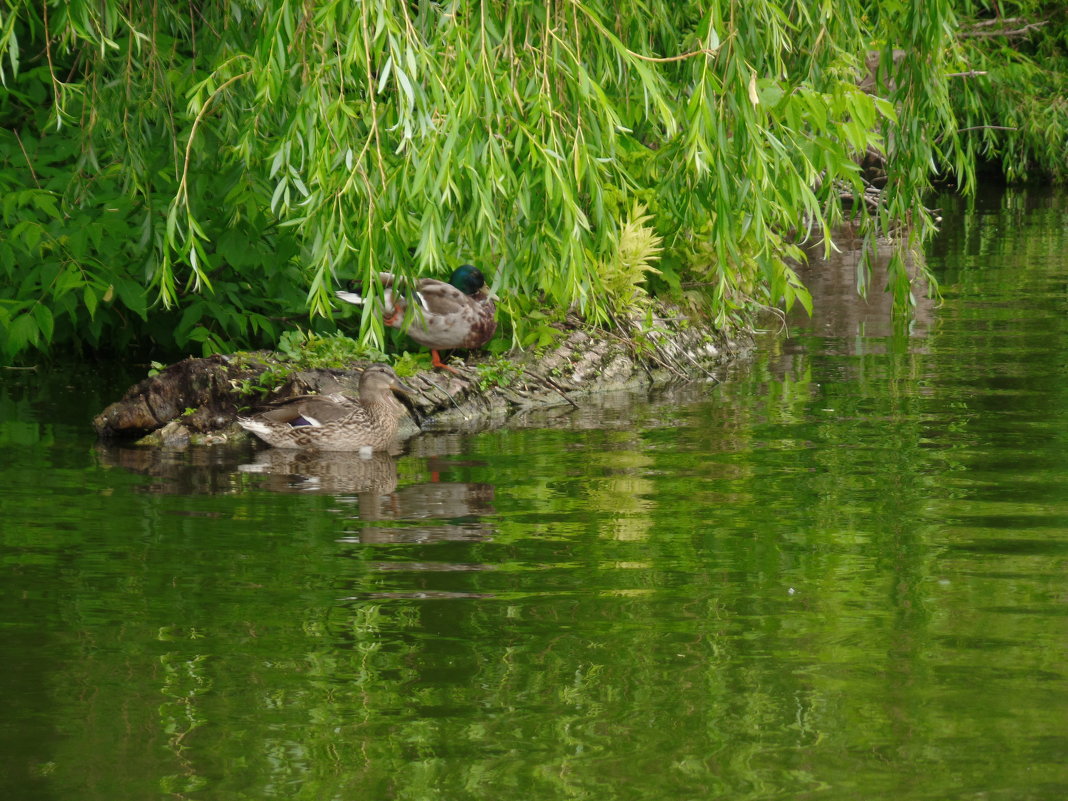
(440, 315)
(336, 422)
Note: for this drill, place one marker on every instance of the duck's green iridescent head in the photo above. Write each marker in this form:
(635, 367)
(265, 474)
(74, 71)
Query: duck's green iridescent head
(468, 279)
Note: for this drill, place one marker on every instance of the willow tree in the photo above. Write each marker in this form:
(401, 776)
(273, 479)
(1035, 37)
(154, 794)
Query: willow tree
(176, 172)
(1012, 104)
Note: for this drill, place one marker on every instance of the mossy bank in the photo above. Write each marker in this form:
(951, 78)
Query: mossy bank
(197, 400)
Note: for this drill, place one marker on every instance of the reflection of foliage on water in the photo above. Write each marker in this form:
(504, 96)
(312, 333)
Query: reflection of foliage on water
(840, 573)
(186, 680)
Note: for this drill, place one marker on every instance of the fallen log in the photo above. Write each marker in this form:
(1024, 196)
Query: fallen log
(197, 400)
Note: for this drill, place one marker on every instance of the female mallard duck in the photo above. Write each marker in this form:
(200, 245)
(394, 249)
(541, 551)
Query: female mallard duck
(457, 314)
(335, 422)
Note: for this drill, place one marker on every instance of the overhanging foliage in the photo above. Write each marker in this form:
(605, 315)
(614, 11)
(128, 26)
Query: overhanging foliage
(208, 173)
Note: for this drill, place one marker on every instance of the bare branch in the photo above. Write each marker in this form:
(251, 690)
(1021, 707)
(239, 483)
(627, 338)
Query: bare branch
(1024, 31)
(999, 21)
(26, 156)
(704, 50)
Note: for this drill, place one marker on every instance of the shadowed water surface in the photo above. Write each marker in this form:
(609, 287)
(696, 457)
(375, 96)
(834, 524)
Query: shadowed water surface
(840, 575)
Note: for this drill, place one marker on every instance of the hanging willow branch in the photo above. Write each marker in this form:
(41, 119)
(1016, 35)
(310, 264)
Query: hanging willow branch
(181, 196)
(232, 167)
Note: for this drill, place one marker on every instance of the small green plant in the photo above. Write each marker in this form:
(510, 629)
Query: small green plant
(155, 368)
(533, 324)
(291, 343)
(500, 372)
(264, 383)
(623, 272)
(408, 364)
(308, 350)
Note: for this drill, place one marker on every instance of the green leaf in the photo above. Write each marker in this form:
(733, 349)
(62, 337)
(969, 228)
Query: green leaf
(769, 92)
(886, 108)
(23, 331)
(43, 316)
(90, 299)
(46, 202)
(132, 296)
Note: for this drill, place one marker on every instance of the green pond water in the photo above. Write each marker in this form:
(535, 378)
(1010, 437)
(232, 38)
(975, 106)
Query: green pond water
(841, 574)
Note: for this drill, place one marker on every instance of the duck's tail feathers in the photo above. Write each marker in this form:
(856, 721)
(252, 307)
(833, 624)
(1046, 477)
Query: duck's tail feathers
(358, 300)
(350, 297)
(253, 426)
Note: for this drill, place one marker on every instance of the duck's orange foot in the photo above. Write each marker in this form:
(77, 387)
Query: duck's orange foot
(435, 359)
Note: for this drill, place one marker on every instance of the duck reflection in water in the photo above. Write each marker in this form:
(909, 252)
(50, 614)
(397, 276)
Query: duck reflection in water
(430, 512)
(425, 512)
(326, 472)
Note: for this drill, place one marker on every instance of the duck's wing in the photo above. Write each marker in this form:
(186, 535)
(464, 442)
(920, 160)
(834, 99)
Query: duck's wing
(439, 299)
(307, 410)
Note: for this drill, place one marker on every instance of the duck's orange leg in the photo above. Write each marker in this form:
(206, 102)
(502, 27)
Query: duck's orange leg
(435, 359)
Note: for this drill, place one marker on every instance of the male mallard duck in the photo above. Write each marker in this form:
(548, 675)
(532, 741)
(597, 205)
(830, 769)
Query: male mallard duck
(457, 314)
(335, 422)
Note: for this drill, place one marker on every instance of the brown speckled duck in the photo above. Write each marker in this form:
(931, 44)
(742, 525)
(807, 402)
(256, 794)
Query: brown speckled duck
(336, 422)
(441, 315)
